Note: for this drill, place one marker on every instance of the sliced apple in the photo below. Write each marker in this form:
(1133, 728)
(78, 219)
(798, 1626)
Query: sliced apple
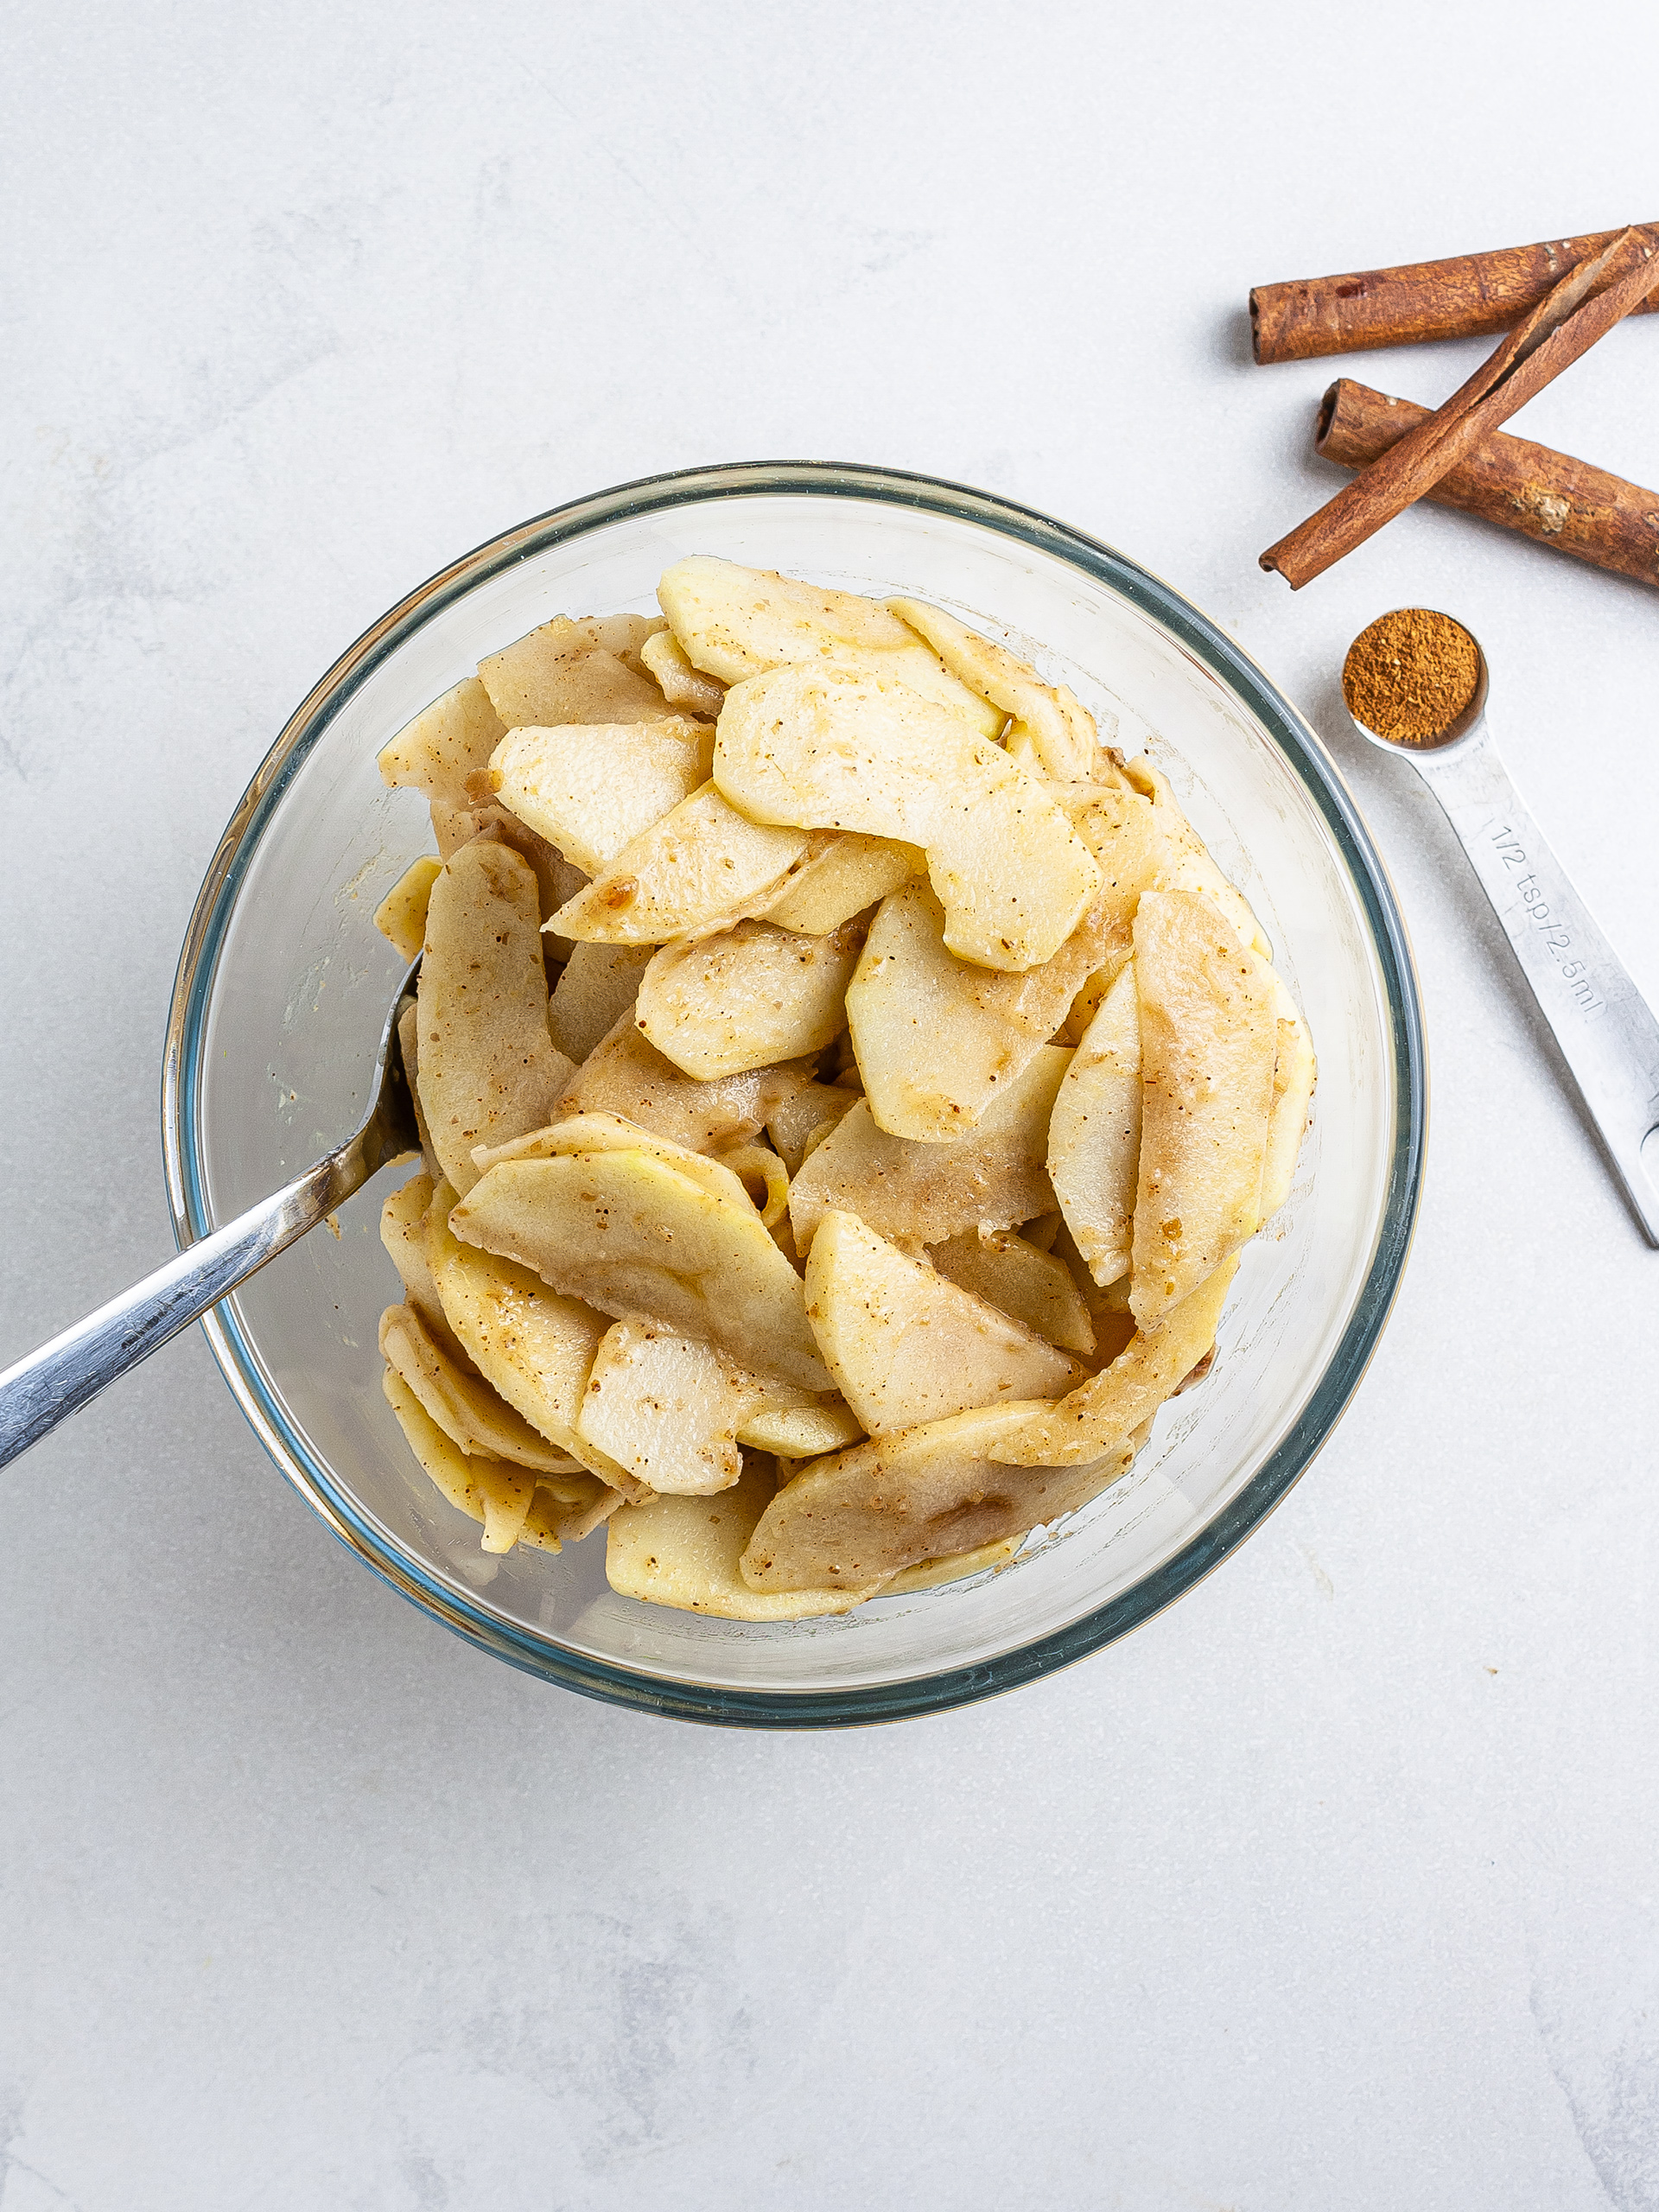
(562, 672)
(409, 1044)
(937, 1038)
(535, 1347)
(667, 1408)
(1094, 1134)
(596, 989)
(798, 1426)
(956, 1566)
(1209, 1041)
(684, 1552)
(701, 865)
(1107, 1410)
(1061, 728)
(555, 1519)
(488, 1068)
(826, 750)
(401, 916)
(592, 788)
(628, 636)
(925, 1493)
(403, 1231)
(487, 1490)
(847, 875)
(906, 1345)
(996, 1174)
(736, 622)
(801, 1123)
(631, 1234)
(746, 997)
(628, 1076)
(597, 1132)
(463, 1405)
(1032, 1286)
(685, 686)
(452, 740)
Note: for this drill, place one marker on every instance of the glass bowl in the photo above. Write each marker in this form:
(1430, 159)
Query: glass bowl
(283, 985)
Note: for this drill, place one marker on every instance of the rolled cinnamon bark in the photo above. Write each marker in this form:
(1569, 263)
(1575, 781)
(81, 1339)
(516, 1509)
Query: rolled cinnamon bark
(1468, 296)
(1570, 319)
(1545, 495)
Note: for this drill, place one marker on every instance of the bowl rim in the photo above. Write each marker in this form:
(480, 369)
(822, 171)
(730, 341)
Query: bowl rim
(776, 1708)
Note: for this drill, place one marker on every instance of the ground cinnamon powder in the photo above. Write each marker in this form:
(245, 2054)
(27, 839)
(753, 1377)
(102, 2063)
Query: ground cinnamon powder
(1410, 675)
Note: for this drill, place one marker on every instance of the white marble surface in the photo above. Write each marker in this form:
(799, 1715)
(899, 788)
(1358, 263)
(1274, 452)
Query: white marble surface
(1335, 1885)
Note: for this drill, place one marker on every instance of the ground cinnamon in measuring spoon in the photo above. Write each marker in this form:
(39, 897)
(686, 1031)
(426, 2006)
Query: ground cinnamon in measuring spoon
(1410, 675)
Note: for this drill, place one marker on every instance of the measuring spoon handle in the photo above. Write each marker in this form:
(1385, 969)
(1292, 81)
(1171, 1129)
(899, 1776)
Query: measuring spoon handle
(1607, 1032)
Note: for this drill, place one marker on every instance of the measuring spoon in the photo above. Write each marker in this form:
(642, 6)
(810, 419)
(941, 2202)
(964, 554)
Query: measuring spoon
(1607, 1032)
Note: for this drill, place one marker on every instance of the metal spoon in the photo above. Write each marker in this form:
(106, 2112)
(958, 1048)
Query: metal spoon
(1607, 1032)
(68, 1373)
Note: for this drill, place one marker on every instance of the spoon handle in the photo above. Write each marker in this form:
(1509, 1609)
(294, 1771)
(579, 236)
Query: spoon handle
(68, 1373)
(1607, 1032)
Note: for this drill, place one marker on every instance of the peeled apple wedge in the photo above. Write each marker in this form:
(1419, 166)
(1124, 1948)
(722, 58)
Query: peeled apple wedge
(631, 1234)
(1113, 1405)
(463, 1405)
(1208, 1044)
(557, 878)
(627, 636)
(1132, 843)
(1187, 863)
(936, 1037)
(596, 987)
(403, 1231)
(1295, 1071)
(452, 740)
(849, 874)
(736, 622)
(700, 866)
(488, 1068)
(684, 1552)
(925, 1493)
(578, 1133)
(591, 788)
(409, 1044)
(485, 1490)
(535, 1347)
(674, 1410)
(401, 916)
(908, 1346)
(558, 1517)
(798, 1425)
(826, 750)
(956, 1566)
(683, 686)
(573, 672)
(626, 1075)
(995, 1175)
(1094, 1133)
(1061, 728)
(746, 997)
(801, 1123)
(1030, 1286)
(666, 1408)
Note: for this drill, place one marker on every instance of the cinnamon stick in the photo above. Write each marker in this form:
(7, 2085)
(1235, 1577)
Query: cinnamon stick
(1547, 496)
(1470, 295)
(1582, 309)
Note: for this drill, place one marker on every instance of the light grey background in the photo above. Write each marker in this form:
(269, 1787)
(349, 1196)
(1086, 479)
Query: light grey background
(1332, 1887)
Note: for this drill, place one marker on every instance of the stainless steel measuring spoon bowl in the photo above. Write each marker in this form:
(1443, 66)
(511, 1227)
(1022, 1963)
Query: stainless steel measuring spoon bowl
(1607, 1032)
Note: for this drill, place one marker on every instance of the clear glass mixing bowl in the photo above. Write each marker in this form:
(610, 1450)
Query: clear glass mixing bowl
(283, 985)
